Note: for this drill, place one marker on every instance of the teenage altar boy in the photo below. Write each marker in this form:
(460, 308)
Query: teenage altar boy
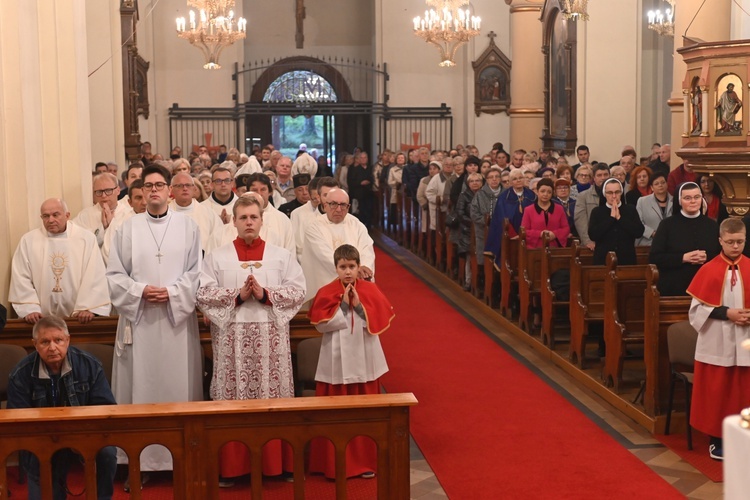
(350, 313)
(720, 313)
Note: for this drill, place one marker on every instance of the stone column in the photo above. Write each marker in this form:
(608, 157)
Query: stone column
(527, 75)
(45, 137)
(711, 24)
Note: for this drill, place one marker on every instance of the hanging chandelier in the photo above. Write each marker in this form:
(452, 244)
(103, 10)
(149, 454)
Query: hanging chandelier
(575, 10)
(447, 25)
(213, 29)
(663, 24)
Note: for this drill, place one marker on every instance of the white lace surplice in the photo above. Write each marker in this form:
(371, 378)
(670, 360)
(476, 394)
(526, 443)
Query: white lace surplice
(252, 355)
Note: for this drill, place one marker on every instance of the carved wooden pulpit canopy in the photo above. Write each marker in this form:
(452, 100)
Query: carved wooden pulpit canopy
(716, 118)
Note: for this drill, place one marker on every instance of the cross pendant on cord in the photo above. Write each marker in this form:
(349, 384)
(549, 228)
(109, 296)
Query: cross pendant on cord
(159, 255)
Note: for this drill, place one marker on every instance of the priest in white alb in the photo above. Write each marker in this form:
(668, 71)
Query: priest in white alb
(250, 290)
(182, 193)
(303, 216)
(222, 197)
(277, 228)
(328, 232)
(97, 218)
(58, 270)
(153, 274)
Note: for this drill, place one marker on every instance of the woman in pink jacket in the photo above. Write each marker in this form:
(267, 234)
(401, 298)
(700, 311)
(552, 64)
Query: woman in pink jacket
(544, 216)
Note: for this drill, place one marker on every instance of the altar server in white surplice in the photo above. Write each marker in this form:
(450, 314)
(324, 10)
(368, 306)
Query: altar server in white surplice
(136, 204)
(58, 270)
(277, 228)
(250, 290)
(182, 192)
(153, 274)
(328, 232)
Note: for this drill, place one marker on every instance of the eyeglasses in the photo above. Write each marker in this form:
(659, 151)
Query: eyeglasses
(697, 197)
(613, 193)
(149, 186)
(733, 243)
(104, 192)
(219, 182)
(182, 186)
(333, 205)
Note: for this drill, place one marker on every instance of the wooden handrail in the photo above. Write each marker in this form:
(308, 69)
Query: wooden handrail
(102, 329)
(195, 432)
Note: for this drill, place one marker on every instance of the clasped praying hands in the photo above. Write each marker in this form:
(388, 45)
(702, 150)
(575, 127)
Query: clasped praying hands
(155, 295)
(251, 288)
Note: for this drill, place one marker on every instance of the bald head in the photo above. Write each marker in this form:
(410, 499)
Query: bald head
(337, 202)
(54, 213)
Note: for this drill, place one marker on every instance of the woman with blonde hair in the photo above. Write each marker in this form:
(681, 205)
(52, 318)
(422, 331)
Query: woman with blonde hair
(199, 193)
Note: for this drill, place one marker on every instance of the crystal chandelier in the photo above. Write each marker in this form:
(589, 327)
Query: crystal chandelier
(574, 10)
(447, 25)
(663, 24)
(214, 28)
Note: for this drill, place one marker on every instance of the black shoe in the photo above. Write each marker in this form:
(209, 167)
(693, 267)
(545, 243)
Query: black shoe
(716, 452)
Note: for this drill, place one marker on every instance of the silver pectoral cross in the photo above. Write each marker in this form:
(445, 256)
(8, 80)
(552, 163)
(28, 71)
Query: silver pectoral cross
(159, 255)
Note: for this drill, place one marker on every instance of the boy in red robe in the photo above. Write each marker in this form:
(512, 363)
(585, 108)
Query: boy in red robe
(720, 313)
(351, 313)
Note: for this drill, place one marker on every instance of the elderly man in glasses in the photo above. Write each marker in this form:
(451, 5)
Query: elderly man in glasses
(328, 232)
(98, 217)
(182, 193)
(58, 269)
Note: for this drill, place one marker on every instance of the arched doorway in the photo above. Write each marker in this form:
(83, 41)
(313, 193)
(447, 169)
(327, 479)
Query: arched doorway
(303, 99)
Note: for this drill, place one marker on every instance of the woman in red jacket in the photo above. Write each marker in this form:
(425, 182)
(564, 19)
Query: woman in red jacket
(544, 216)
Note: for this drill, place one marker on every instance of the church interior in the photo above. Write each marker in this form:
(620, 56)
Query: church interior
(89, 81)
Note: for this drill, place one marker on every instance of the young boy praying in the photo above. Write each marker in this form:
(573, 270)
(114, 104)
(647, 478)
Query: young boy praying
(350, 313)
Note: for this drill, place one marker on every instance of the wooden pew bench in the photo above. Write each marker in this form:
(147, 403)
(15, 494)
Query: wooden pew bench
(102, 329)
(554, 309)
(509, 249)
(529, 280)
(660, 313)
(624, 287)
(195, 432)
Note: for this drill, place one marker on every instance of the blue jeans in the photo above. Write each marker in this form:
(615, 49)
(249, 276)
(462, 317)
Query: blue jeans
(106, 466)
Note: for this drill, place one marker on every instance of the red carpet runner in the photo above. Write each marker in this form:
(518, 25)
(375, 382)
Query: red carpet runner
(487, 425)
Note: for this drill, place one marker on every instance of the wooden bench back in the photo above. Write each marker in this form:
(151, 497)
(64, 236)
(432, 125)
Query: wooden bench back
(660, 313)
(195, 432)
(624, 287)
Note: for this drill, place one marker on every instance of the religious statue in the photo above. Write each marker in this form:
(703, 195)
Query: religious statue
(697, 100)
(728, 106)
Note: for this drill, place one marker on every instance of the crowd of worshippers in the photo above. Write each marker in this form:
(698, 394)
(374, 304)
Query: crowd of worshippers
(250, 240)
(609, 207)
(156, 254)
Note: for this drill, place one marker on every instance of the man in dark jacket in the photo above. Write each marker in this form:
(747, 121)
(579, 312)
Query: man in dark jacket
(59, 375)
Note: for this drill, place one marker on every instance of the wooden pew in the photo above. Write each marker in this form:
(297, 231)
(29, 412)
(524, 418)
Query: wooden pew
(587, 298)
(529, 280)
(440, 236)
(553, 260)
(508, 269)
(102, 329)
(415, 227)
(624, 287)
(406, 216)
(195, 432)
(489, 268)
(659, 313)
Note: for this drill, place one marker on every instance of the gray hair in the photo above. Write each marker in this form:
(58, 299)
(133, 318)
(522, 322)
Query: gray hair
(51, 322)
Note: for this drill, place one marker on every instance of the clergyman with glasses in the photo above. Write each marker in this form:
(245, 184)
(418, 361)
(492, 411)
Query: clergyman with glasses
(222, 197)
(98, 217)
(153, 273)
(328, 232)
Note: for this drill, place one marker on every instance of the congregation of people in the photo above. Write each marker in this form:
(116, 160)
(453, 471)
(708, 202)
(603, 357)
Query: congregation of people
(250, 240)
(247, 241)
